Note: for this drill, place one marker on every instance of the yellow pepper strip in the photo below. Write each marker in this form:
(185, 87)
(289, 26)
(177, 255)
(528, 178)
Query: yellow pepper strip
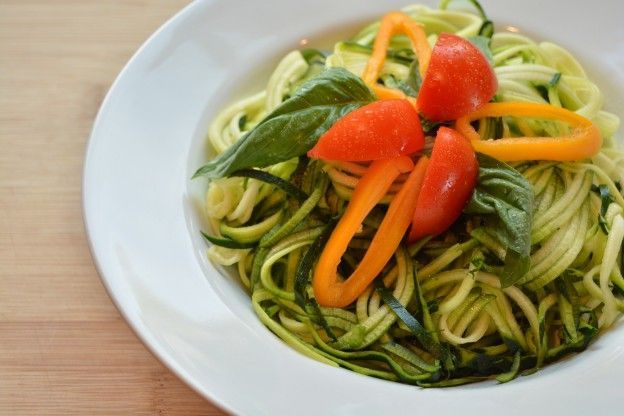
(584, 142)
(329, 290)
(392, 24)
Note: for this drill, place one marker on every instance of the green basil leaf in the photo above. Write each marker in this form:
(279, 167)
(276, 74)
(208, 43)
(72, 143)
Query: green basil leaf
(505, 200)
(295, 126)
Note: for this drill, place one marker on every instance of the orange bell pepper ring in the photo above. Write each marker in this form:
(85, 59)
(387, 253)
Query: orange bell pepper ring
(329, 290)
(392, 24)
(584, 142)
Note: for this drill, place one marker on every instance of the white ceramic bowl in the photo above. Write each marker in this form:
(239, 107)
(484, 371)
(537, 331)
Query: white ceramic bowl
(141, 212)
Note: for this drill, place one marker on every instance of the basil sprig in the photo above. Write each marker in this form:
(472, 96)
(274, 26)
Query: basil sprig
(295, 126)
(504, 198)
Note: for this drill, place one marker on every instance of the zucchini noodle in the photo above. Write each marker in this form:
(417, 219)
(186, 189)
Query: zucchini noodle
(573, 290)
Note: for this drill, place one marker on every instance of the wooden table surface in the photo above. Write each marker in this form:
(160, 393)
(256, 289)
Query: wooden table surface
(64, 348)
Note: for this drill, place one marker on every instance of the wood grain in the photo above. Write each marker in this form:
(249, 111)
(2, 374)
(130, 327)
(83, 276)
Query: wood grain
(64, 349)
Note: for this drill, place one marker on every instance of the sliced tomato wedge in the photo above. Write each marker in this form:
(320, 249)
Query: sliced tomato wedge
(380, 130)
(448, 184)
(458, 81)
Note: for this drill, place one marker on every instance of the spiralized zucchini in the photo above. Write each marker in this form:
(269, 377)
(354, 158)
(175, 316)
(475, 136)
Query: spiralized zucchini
(573, 290)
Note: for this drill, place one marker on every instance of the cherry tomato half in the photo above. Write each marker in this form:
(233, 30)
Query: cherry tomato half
(458, 81)
(449, 182)
(382, 129)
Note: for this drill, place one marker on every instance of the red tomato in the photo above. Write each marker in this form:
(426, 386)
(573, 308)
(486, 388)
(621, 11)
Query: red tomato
(449, 182)
(458, 81)
(380, 130)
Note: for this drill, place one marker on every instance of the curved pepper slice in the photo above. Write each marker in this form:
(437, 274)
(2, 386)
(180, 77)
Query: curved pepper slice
(329, 290)
(584, 142)
(391, 24)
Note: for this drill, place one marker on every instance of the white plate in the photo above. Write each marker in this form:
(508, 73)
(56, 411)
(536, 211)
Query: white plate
(140, 213)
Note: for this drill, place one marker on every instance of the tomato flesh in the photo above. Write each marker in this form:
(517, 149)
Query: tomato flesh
(458, 81)
(380, 130)
(449, 182)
